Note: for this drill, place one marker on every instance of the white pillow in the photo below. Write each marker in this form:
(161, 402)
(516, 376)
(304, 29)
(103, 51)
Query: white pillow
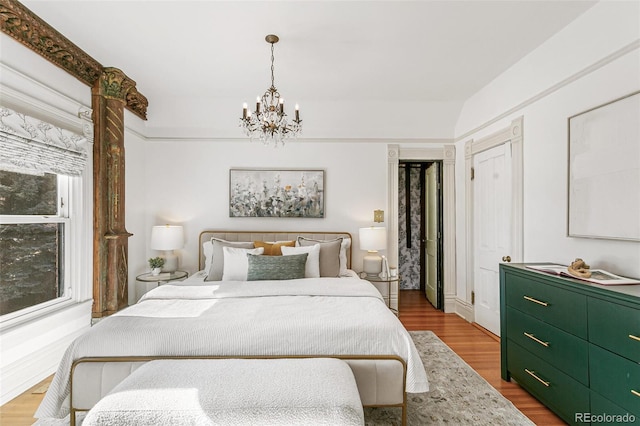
(207, 250)
(236, 263)
(312, 265)
(346, 243)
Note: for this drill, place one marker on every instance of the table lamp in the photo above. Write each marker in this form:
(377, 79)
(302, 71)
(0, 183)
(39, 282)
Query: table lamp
(168, 238)
(373, 239)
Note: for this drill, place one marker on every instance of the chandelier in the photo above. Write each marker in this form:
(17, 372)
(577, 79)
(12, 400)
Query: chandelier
(269, 122)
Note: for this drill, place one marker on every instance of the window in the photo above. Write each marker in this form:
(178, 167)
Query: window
(34, 229)
(44, 207)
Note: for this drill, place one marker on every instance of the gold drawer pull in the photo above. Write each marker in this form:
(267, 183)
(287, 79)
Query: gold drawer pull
(635, 392)
(534, 338)
(533, 374)
(531, 299)
(631, 336)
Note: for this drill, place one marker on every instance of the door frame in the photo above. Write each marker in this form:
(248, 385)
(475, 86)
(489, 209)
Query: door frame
(446, 153)
(514, 135)
(423, 167)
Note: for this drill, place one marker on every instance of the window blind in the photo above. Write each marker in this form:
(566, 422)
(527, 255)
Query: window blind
(29, 145)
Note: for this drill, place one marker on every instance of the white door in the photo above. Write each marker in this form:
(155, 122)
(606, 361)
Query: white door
(431, 234)
(492, 230)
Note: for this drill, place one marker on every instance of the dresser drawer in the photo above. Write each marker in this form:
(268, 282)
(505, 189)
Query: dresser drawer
(562, 308)
(616, 378)
(554, 388)
(615, 327)
(600, 406)
(564, 351)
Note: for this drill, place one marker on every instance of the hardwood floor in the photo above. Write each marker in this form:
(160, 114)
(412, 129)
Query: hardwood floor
(479, 348)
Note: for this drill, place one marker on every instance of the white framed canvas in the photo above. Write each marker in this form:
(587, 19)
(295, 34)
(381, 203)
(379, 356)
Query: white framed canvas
(604, 171)
(276, 193)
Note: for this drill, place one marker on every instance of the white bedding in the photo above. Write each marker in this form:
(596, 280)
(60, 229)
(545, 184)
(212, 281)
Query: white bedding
(320, 316)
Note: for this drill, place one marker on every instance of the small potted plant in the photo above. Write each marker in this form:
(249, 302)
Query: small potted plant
(156, 264)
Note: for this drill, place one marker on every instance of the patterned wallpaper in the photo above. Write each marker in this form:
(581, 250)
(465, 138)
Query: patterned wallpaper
(409, 258)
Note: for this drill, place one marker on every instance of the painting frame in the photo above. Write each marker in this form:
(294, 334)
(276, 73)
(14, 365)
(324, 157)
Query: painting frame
(604, 171)
(282, 192)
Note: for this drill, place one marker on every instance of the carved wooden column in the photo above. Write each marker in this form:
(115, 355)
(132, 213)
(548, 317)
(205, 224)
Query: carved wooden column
(110, 274)
(111, 91)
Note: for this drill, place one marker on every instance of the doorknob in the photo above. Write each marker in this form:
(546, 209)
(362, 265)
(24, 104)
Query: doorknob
(506, 258)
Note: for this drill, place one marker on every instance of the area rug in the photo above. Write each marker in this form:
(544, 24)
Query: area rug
(457, 396)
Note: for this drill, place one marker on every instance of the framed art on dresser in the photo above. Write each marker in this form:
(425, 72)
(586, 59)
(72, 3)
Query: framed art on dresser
(276, 193)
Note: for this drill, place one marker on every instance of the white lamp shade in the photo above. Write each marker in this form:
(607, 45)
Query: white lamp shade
(373, 238)
(167, 237)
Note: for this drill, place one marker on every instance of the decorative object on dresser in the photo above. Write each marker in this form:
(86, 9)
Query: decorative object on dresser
(168, 238)
(269, 122)
(276, 193)
(579, 269)
(372, 239)
(572, 344)
(596, 276)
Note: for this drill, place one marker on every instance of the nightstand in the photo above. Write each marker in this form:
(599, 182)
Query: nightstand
(388, 281)
(162, 278)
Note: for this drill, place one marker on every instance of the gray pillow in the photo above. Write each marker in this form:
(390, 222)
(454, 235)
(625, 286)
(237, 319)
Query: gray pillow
(276, 267)
(217, 262)
(329, 255)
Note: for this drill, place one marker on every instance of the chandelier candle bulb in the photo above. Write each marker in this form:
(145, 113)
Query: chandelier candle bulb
(297, 113)
(244, 110)
(258, 104)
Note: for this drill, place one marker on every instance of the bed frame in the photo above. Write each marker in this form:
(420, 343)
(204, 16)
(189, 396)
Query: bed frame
(381, 379)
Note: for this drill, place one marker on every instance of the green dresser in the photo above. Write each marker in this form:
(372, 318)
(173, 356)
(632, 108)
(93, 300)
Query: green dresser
(573, 345)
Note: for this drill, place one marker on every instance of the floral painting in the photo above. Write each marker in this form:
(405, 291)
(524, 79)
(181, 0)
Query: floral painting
(276, 193)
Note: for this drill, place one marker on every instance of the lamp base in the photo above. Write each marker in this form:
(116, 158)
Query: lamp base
(170, 261)
(372, 265)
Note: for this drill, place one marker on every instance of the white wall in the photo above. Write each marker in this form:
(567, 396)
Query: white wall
(135, 192)
(575, 70)
(187, 183)
(218, 119)
(31, 346)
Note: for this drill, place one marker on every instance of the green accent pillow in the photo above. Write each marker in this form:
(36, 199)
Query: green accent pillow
(276, 267)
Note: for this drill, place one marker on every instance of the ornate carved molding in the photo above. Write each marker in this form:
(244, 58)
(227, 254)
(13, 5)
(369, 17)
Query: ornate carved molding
(27, 28)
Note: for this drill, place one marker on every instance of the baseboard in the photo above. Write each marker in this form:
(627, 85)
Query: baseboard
(449, 304)
(31, 369)
(464, 309)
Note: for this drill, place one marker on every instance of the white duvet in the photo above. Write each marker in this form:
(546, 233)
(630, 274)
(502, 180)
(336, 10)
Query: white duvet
(323, 316)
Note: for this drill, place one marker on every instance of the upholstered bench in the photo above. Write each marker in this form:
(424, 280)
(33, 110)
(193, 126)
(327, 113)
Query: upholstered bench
(296, 391)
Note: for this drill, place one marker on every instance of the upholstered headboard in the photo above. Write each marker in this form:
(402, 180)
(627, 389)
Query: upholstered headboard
(268, 236)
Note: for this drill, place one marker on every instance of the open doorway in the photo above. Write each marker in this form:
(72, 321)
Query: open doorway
(420, 224)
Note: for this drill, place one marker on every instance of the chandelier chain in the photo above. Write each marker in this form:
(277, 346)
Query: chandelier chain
(272, 68)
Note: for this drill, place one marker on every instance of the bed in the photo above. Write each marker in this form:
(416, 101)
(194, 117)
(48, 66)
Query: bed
(339, 316)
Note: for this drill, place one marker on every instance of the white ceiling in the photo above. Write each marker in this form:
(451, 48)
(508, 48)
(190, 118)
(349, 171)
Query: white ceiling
(419, 51)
